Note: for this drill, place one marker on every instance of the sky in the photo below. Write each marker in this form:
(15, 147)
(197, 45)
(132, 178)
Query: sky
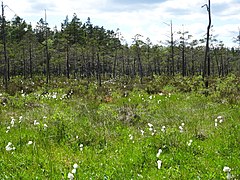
(149, 18)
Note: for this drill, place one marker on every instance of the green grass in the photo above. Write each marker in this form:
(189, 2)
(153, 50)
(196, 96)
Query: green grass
(109, 122)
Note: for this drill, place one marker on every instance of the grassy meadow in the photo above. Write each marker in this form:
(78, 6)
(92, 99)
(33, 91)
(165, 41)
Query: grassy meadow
(165, 128)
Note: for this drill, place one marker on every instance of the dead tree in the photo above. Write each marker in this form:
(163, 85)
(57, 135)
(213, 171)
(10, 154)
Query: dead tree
(206, 68)
(6, 61)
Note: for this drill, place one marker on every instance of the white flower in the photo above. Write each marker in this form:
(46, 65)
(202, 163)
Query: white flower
(226, 169)
(182, 124)
(181, 129)
(190, 142)
(142, 131)
(229, 176)
(150, 125)
(81, 147)
(163, 129)
(45, 126)
(159, 152)
(154, 131)
(150, 97)
(10, 147)
(75, 166)
(74, 171)
(20, 119)
(12, 121)
(35, 123)
(70, 176)
(159, 164)
(131, 137)
(216, 120)
(215, 124)
(220, 118)
(29, 142)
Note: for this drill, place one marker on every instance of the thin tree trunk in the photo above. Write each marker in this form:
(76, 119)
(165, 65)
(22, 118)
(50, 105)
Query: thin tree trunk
(140, 65)
(172, 51)
(193, 63)
(99, 71)
(24, 64)
(206, 70)
(183, 61)
(67, 63)
(115, 63)
(6, 61)
(30, 61)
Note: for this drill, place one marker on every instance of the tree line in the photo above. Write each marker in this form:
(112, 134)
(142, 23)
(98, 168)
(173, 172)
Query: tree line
(83, 50)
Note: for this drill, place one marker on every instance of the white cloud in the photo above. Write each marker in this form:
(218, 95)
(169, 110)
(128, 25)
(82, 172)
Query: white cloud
(137, 17)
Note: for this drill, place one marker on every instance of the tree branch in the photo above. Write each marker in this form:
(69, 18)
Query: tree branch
(206, 7)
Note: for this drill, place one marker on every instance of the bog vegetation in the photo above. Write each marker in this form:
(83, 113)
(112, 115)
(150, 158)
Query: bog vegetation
(165, 128)
(80, 103)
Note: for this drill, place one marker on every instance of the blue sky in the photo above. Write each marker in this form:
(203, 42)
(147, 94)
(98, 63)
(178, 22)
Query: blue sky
(145, 17)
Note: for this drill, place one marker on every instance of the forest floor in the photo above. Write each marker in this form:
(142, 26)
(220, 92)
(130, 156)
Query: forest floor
(159, 130)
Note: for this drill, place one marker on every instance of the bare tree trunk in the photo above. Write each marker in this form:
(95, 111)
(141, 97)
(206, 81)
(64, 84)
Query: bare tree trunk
(134, 67)
(123, 63)
(115, 63)
(183, 60)
(222, 65)
(139, 65)
(172, 51)
(24, 64)
(193, 64)
(47, 53)
(6, 61)
(30, 61)
(99, 71)
(206, 69)
(67, 63)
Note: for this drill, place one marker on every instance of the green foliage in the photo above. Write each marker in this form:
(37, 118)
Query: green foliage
(86, 51)
(115, 131)
(227, 89)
